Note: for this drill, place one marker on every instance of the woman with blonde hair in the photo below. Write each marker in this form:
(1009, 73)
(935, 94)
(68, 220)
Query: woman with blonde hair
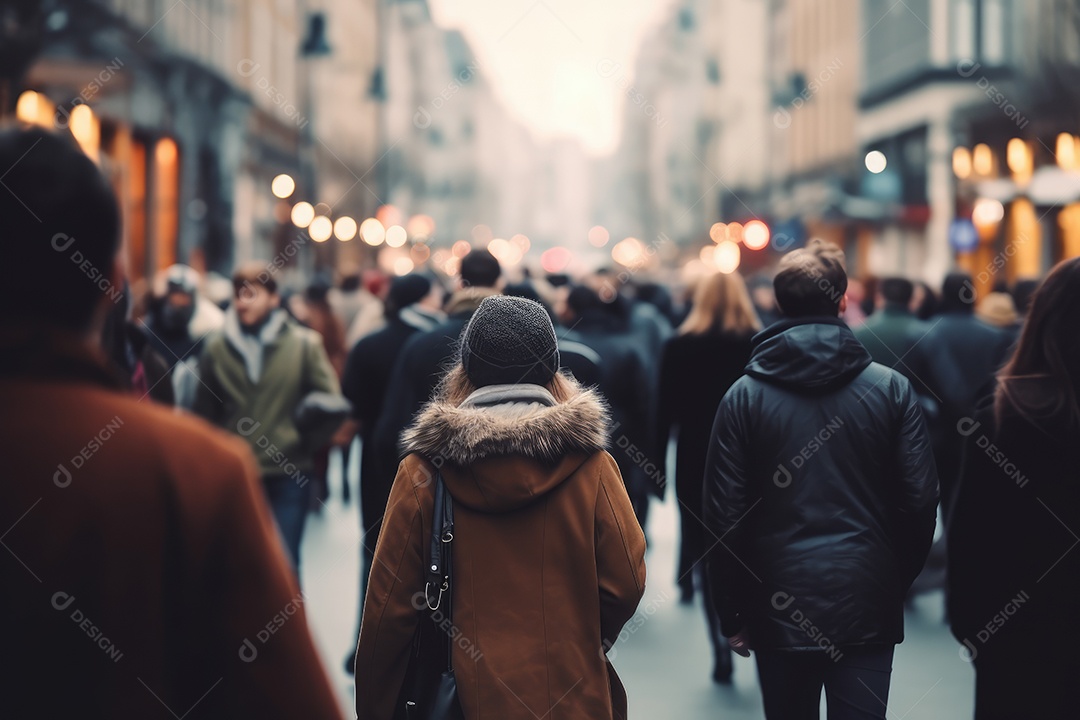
(697, 367)
(548, 560)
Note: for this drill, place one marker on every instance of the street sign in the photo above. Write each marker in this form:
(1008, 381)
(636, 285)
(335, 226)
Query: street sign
(963, 237)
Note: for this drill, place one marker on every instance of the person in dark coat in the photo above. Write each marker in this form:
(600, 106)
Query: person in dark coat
(822, 494)
(956, 362)
(892, 330)
(167, 328)
(412, 306)
(426, 356)
(697, 367)
(1013, 566)
(143, 372)
(625, 385)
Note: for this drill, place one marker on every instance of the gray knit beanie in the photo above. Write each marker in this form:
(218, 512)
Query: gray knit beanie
(509, 340)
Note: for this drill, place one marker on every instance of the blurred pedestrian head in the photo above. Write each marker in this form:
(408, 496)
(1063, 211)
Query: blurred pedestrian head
(998, 309)
(60, 229)
(480, 269)
(957, 294)
(255, 293)
(177, 307)
(659, 297)
(318, 293)
(582, 299)
(1022, 293)
(405, 291)
(896, 291)
(812, 281)
(721, 305)
(1042, 379)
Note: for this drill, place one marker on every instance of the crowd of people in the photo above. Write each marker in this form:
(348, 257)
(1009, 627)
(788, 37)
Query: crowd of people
(816, 420)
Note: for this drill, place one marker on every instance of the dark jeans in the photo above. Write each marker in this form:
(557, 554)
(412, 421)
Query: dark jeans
(289, 497)
(856, 683)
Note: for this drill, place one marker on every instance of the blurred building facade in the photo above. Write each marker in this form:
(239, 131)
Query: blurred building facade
(194, 107)
(920, 136)
(451, 151)
(669, 126)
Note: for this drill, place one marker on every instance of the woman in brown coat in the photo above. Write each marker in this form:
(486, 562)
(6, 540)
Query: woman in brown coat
(548, 557)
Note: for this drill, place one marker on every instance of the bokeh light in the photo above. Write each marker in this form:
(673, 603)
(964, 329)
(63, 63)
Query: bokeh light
(876, 162)
(283, 186)
(321, 228)
(599, 236)
(556, 259)
(756, 235)
(396, 236)
(302, 214)
(344, 228)
(372, 232)
(727, 257)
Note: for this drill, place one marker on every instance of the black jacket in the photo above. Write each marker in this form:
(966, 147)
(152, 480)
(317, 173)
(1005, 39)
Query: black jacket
(821, 491)
(625, 384)
(695, 372)
(1013, 564)
(955, 363)
(367, 375)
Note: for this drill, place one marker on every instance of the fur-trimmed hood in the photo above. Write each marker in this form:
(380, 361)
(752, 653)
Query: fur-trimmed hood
(507, 445)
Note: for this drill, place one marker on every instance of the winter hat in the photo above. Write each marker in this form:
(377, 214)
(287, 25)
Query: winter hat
(509, 340)
(406, 290)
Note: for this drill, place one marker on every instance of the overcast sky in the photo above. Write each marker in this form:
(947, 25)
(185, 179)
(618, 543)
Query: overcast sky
(543, 58)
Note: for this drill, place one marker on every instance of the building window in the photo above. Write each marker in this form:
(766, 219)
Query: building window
(963, 30)
(979, 30)
(993, 31)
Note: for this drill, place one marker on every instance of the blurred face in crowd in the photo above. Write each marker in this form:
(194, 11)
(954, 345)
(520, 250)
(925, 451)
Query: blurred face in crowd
(178, 310)
(254, 303)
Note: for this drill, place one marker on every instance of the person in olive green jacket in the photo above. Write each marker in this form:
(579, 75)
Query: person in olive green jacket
(255, 371)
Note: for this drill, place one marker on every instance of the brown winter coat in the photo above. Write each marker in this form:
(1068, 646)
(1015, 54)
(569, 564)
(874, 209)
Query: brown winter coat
(141, 575)
(548, 561)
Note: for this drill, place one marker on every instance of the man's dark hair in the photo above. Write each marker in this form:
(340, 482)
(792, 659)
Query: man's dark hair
(957, 293)
(811, 280)
(480, 269)
(897, 291)
(60, 231)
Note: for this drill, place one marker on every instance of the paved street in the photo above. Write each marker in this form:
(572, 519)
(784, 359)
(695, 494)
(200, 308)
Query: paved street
(665, 664)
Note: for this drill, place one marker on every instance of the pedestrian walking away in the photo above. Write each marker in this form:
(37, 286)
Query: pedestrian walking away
(1012, 578)
(820, 479)
(548, 557)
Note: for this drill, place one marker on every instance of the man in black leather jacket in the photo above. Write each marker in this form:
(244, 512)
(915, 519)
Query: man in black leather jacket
(821, 492)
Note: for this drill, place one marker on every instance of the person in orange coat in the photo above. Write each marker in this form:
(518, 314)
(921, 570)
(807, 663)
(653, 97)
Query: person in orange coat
(548, 557)
(142, 577)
